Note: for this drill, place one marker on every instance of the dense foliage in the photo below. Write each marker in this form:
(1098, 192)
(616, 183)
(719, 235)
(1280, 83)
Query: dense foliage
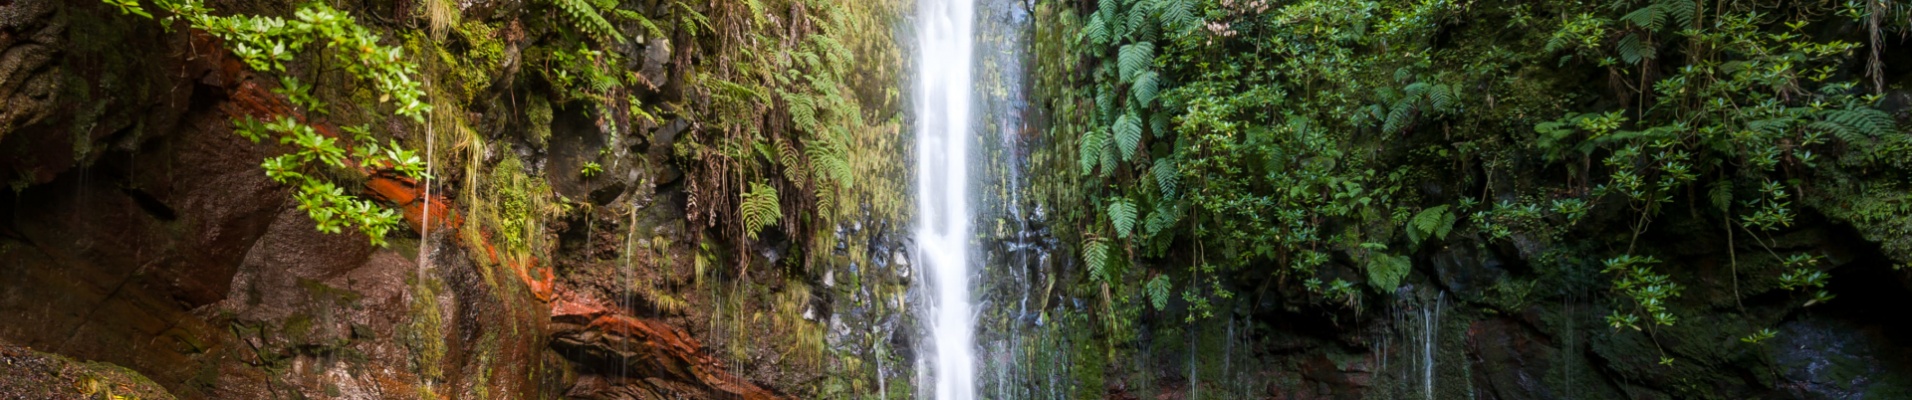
(1312, 150)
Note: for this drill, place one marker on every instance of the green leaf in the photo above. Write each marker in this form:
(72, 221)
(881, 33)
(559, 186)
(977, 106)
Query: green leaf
(1128, 135)
(1122, 213)
(1144, 88)
(1134, 58)
(1158, 289)
(1095, 253)
(1096, 31)
(1167, 178)
(759, 209)
(1090, 150)
(1385, 271)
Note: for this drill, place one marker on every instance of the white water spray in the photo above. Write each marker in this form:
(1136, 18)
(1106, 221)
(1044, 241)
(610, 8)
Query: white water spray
(945, 43)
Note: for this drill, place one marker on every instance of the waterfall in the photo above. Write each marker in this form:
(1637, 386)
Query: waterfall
(945, 42)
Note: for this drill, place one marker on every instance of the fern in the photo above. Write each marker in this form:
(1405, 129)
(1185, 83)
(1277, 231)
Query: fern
(1632, 49)
(1122, 215)
(1095, 253)
(1166, 214)
(1090, 151)
(1144, 88)
(1433, 222)
(1158, 292)
(1128, 135)
(1177, 16)
(1442, 98)
(1857, 124)
(1105, 103)
(1096, 31)
(1399, 117)
(828, 161)
(1682, 11)
(1139, 15)
(585, 18)
(1134, 58)
(1166, 176)
(759, 209)
(1385, 271)
(792, 161)
(1650, 17)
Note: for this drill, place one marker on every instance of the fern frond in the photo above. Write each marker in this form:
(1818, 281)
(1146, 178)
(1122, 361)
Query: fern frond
(1134, 58)
(759, 209)
(1144, 88)
(1632, 49)
(1104, 103)
(1158, 292)
(1683, 11)
(1167, 178)
(1139, 15)
(1650, 17)
(1398, 118)
(585, 18)
(1122, 215)
(1441, 97)
(1166, 214)
(1096, 31)
(1128, 135)
(792, 161)
(1095, 253)
(1860, 123)
(1177, 15)
(1090, 151)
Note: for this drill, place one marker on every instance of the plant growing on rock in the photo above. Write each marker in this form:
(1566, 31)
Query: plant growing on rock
(267, 44)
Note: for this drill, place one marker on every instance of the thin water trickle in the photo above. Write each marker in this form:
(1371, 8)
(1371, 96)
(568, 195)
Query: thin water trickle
(946, 40)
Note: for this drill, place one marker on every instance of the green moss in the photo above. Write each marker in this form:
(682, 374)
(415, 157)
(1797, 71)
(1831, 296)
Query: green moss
(538, 121)
(425, 333)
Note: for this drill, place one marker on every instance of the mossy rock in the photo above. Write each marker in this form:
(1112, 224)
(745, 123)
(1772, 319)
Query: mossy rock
(29, 374)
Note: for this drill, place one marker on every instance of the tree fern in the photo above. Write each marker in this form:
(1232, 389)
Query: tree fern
(1857, 124)
(1122, 215)
(1128, 135)
(759, 209)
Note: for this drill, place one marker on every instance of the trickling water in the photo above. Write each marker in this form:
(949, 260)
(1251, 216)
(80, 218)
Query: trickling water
(945, 42)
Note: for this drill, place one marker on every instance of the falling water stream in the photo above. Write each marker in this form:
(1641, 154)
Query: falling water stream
(945, 43)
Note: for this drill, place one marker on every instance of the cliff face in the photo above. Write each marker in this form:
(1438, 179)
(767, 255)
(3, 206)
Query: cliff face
(139, 230)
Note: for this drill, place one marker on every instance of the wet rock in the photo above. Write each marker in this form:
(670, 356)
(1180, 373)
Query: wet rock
(1822, 358)
(1512, 362)
(31, 374)
(1463, 268)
